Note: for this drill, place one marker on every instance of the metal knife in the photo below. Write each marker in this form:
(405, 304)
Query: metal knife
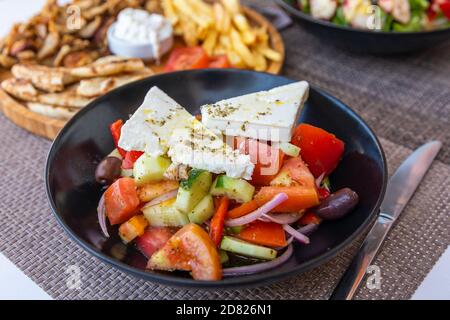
(399, 190)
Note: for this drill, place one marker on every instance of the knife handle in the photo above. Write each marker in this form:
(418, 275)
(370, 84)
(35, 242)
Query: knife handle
(349, 283)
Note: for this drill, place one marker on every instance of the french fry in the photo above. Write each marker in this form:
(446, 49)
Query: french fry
(169, 11)
(241, 49)
(225, 41)
(232, 6)
(270, 53)
(210, 42)
(260, 61)
(235, 60)
(183, 7)
(189, 32)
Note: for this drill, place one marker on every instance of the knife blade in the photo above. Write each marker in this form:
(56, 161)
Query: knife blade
(399, 191)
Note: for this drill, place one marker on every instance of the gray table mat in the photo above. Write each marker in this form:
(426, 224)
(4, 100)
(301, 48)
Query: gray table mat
(406, 99)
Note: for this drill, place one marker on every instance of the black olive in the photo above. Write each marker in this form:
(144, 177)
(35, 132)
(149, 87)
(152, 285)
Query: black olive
(108, 170)
(337, 205)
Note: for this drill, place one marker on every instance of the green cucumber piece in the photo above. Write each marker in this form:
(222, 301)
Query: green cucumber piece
(165, 214)
(203, 211)
(247, 249)
(236, 189)
(234, 230)
(149, 169)
(290, 149)
(193, 190)
(223, 257)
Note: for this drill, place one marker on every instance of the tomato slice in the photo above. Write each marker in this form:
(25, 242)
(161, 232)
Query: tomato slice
(190, 249)
(293, 172)
(299, 198)
(130, 158)
(309, 218)
(267, 159)
(264, 233)
(445, 7)
(220, 62)
(187, 58)
(153, 239)
(121, 200)
(320, 149)
(115, 129)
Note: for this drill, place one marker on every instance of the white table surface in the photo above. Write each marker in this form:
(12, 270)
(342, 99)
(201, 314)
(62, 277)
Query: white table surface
(14, 284)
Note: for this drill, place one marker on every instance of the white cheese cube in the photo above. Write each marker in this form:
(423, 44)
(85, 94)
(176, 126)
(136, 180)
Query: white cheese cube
(265, 115)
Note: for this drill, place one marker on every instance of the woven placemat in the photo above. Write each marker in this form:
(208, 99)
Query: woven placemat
(406, 99)
(31, 238)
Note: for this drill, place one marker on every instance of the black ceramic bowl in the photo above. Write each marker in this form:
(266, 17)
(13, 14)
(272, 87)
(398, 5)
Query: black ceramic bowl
(85, 140)
(364, 41)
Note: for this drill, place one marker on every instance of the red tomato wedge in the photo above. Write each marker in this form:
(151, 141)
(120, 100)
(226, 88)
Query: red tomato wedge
(309, 218)
(299, 198)
(153, 239)
(267, 160)
(319, 149)
(115, 129)
(218, 220)
(294, 172)
(190, 249)
(264, 233)
(121, 201)
(445, 7)
(187, 59)
(219, 62)
(130, 158)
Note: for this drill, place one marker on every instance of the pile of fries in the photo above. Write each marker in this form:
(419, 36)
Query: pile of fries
(71, 35)
(221, 28)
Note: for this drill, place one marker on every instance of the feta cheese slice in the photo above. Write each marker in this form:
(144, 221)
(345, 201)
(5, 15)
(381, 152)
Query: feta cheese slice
(265, 115)
(200, 148)
(160, 125)
(151, 126)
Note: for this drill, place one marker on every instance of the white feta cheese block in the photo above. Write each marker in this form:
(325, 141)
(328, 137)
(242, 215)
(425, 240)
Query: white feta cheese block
(266, 115)
(200, 148)
(151, 126)
(160, 125)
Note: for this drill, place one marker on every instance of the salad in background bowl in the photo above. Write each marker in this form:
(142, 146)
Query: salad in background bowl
(381, 15)
(379, 26)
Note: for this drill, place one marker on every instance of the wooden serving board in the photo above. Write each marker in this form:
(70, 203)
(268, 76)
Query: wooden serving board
(49, 128)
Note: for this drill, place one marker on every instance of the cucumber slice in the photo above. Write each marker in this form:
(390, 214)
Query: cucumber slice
(236, 189)
(247, 249)
(290, 149)
(193, 190)
(165, 214)
(149, 169)
(223, 257)
(203, 210)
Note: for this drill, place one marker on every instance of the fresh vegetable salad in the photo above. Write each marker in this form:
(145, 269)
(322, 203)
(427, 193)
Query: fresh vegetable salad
(382, 15)
(224, 193)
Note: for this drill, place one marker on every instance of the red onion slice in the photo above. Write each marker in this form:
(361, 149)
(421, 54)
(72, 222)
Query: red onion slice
(297, 235)
(259, 267)
(319, 180)
(281, 218)
(166, 196)
(101, 214)
(308, 229)
(279, 198)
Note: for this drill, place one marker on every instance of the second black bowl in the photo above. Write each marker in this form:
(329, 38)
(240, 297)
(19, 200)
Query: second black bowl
(365, 41)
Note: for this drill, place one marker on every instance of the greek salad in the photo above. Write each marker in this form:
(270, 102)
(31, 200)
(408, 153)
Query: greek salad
(223, 193)
(381, 15)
